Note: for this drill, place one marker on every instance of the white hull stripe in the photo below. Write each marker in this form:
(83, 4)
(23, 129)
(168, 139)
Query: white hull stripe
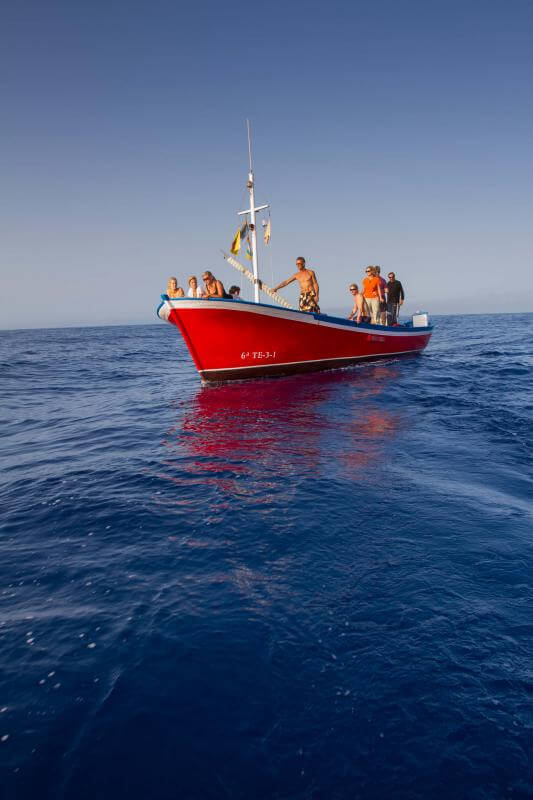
(310, 361)
(238, 307)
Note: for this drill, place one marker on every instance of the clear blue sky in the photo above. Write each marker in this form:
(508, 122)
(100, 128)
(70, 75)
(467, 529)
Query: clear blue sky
(387, 132)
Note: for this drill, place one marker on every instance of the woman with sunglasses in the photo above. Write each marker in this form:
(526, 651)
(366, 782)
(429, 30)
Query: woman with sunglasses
(372, 293)
(213, 288)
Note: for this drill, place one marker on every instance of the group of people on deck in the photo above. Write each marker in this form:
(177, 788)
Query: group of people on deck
(378, 302)
(211, 288)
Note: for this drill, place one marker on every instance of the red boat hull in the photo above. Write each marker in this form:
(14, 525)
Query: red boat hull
(232, 340)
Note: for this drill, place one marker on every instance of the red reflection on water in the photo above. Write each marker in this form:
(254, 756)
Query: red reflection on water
(248, 438)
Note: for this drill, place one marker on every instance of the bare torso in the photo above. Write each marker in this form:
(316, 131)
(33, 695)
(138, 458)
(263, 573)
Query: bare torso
(307, 280)
(358, 307)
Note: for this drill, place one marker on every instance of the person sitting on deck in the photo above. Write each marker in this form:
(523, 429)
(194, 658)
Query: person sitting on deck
(372, 293)
(180, 292)
(308, 287)
(213, 287)
(235, 292)
(359, 312)
(193, 290)
(395, 298)
(173, 288)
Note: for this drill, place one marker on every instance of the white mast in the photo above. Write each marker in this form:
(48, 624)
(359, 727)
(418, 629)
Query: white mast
(251, 211)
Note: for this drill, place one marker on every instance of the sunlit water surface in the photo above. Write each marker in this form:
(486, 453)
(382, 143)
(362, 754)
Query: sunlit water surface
(305, 587)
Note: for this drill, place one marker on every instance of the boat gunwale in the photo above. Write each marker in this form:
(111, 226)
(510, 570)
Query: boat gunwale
(306, 316)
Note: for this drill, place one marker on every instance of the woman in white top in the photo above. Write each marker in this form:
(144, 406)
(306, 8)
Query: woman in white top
(194, 289)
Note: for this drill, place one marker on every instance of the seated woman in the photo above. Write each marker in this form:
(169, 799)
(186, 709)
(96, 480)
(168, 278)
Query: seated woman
(173, 290)
(194, 290)
(213, 288)
(235, 292)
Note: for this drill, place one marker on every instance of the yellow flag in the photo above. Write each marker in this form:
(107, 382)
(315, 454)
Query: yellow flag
(236, 244)
(266, 233)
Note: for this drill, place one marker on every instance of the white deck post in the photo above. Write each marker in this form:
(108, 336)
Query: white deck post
(255, 265)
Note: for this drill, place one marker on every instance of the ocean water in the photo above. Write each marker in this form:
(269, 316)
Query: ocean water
(306, 587)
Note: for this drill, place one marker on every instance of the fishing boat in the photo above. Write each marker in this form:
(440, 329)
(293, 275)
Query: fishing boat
(236, 339)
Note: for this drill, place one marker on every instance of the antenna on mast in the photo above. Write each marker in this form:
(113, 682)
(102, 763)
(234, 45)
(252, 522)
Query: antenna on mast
(249, 144)
(252, 211)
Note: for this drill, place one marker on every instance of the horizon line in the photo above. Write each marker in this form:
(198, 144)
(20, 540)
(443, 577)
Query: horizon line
(160, 322)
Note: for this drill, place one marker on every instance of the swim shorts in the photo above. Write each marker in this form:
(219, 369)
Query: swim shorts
(308, 302)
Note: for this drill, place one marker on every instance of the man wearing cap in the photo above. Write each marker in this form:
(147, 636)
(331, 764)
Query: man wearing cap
(359, 309)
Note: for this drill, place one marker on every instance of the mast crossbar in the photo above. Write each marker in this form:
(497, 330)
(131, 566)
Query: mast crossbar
(249, 210)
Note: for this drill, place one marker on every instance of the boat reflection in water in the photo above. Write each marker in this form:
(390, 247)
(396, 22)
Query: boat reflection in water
(251, 441)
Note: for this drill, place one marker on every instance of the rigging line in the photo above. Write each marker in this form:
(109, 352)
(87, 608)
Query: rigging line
(270, 251)
(243, 201)
(264, 287)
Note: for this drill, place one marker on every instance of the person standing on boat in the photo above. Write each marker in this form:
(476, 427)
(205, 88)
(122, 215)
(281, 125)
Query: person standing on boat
(359, 310)
(395, 298)
(308, 287)
(372, 293)
(382, 316)
(213, 288)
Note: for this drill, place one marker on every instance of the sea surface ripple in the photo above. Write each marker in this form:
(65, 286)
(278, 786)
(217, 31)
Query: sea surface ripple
(306, 587)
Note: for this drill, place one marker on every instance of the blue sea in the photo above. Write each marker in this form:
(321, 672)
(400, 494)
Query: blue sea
(313, 587)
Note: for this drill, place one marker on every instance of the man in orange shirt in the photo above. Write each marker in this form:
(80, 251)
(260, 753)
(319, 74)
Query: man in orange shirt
(372, 293)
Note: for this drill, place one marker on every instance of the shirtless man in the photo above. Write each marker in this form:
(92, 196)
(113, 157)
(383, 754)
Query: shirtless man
(308, 286)
(212, 287)
(359, 309)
